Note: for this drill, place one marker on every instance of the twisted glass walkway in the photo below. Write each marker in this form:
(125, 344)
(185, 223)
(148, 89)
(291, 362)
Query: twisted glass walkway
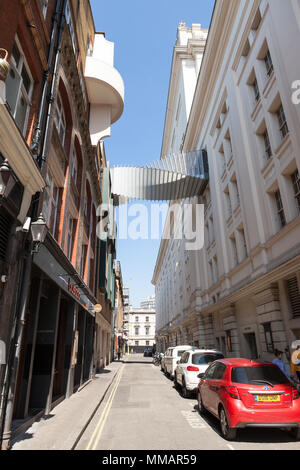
(172, 178)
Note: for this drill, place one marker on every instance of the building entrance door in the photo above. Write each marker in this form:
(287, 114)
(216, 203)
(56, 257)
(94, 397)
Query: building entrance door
(251, 345)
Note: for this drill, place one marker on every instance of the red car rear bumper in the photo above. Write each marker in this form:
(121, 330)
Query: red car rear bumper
(239, 416)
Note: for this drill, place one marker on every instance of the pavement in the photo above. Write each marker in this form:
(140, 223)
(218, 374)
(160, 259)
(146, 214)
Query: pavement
(62, 428)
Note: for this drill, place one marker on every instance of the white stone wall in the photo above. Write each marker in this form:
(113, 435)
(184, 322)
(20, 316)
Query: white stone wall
(243, 238)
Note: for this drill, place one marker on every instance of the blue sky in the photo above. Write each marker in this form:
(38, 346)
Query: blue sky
(144, 33)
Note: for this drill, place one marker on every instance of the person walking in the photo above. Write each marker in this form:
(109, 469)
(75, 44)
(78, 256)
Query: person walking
(295, 363)
(279, 362)
(119, 354)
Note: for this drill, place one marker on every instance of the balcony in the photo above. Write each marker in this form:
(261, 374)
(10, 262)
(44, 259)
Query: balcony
(105, 89)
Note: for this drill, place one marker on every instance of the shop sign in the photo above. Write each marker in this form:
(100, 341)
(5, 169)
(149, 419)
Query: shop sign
(73, 290)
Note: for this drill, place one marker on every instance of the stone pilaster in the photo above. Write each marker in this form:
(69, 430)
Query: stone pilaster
(201, 331)
(208, 331)
(230, 324)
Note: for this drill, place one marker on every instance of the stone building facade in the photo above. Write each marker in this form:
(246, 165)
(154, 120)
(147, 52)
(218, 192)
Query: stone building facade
(241, 292)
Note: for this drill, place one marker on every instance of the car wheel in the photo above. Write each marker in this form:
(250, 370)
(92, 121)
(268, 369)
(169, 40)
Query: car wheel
(201, 408)
(228, 433)
(175, 381)
(184, 390)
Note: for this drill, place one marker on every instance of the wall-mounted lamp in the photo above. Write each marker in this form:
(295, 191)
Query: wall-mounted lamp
(7, 179)
(38, 231)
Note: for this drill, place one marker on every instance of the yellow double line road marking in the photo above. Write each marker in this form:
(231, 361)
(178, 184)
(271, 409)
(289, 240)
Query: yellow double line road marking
(99, 428)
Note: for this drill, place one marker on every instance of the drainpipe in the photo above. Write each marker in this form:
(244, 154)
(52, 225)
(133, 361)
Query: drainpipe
(46, 101)
(42, 156)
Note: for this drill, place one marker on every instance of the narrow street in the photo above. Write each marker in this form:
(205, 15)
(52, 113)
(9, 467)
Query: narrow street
(143, 411)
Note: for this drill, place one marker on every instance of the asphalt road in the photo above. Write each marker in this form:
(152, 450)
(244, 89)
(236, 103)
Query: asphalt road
(143, 411)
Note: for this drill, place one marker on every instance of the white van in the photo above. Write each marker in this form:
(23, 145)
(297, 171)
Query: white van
(172, 355)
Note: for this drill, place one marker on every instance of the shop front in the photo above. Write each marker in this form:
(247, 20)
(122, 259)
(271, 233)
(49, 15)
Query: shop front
(57, 350)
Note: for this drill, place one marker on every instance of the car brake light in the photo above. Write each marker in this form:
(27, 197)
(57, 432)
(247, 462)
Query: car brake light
(192, 369)
(295, 394)
(233, 392)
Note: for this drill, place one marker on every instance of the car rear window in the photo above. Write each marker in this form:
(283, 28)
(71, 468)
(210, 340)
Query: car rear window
(258, 374)
(206, 358)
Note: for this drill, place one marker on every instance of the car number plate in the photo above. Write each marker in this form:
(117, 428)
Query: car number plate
(267, 398)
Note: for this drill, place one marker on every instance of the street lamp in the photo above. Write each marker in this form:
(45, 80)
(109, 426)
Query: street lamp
(38, 231)
(7, 179)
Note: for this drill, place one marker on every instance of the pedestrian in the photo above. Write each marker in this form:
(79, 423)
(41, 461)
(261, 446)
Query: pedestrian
(279, 362)
(295, 363)
(119, 354)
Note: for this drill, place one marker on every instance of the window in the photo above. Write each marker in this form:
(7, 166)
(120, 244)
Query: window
(19, 87)
(74, 170)
(268, 337)
(147, 319)
(70, 237)
(283, 127)
(50, 203)
(268, 149)
(179, 353)
(228, 341)
(60, 119)
(136, 331)
(136, 343)
(205, 358)
(219, 371)
(268, 63)
(137, 319)
(147, 330)
(258, 374)
(280, 210)
(234, 251)
(228, 203)
(296, 186)
(294, 296)
(69, 21)
(83, 260)
(147, 343)
(44, 6)
(256, 90)
(210, 371)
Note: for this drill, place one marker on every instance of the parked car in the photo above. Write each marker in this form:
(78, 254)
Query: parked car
(171, 357)
(245, 393)
(147, 352)
(192, 363)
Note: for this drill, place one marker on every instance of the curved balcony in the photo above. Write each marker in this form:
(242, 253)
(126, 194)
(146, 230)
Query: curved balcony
(105, 86)
(105, 89)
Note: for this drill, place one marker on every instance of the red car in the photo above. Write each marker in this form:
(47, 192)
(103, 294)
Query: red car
(246, 393)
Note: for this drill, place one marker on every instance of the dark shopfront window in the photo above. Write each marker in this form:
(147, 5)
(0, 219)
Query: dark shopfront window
(228, 341)
(268, 337)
